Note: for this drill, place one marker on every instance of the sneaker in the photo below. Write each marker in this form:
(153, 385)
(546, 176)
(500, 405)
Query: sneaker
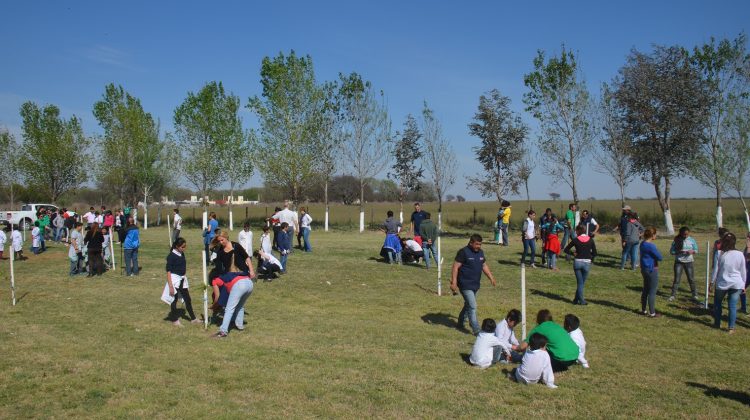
(196, 321)
(655, 315)
(220, 334)
(532, 266)
(671, 298)
(177, 323)
(731, 331)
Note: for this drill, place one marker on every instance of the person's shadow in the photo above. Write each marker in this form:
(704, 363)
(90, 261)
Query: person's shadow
(443, 319)
(710, 391)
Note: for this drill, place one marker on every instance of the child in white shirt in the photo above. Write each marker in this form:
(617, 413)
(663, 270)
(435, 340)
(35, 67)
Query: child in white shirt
(571, 325)
(265, 240)
(3, 239)
(36, 240)
(486, 350)
(245, 238)
(508, 341)
(16, 241)
(536, 365)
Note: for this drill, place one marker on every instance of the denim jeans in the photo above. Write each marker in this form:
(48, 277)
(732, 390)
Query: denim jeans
(504, 229)
(74, 265)
(581, 269)
(282, 260)
(733, 295)
(58, 234)
(551, 260)
(688, 268)
(650, 285)
(131, 261)
(528, 244)
(430, 250)
(235, 310)
(394, 257)
(630, 250)
(469, 309)
(306, 238)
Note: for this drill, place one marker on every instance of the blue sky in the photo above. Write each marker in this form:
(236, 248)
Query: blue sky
(447, 53)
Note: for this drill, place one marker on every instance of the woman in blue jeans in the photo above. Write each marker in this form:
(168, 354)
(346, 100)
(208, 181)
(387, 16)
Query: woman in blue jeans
(236, 274)
(650, 258)
(585, 251)
(728, 279)
(131, 243)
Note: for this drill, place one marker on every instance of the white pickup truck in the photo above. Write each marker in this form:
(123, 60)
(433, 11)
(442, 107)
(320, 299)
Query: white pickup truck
(26, 217)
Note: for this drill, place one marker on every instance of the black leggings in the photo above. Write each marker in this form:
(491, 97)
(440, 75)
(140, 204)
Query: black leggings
(96, 262)
(185, 295)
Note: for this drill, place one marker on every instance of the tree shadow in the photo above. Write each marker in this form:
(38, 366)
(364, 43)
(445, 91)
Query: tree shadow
(443, 319)
(552, 296)
(710, 391)
(664, 314)
(506, 262)
(21, 297)
(659, 293)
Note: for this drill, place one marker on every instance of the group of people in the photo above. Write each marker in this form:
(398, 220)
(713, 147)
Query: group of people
(420, 244)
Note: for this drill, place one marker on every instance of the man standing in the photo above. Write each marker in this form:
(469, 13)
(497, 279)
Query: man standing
(429, 231)
(90, 217)
(416, 220)
(466, 275)
(177, 225)
(291, 219)
(570, 225)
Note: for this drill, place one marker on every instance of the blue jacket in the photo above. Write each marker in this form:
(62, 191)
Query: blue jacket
(650, 256)
(132, 238)
(283, 241)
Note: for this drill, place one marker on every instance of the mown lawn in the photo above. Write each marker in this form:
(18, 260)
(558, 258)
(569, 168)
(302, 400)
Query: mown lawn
(344, 335)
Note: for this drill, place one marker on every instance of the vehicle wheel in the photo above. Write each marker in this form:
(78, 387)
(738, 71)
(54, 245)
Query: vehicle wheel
(25, 224)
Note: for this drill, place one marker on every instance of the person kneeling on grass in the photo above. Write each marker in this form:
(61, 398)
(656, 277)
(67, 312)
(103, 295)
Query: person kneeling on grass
(412, 251)
(508, 341)
(177, 282)
(536, 365)
(268, 265)
(563, 351)
(236, 276)
(572, 326)
(487, 348)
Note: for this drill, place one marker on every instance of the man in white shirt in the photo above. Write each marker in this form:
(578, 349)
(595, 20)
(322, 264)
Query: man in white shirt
(536, 365)
(90, 217)
(177, 225)
(288, 216)
(245, 238)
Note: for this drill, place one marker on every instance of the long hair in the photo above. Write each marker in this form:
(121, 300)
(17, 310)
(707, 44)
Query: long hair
(679, 241)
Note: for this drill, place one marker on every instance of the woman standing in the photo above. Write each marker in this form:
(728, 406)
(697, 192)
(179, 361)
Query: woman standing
(305, 221)
(728, 279)
(683, 248)
(585, 251)
(650, 258)
(210, 232)
(178, 282)
(94, 241)
(131, 243)
(236, 277)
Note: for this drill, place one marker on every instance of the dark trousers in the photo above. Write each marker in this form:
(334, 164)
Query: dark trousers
(185, 295)
(96, 263)
(687, 267)
(650, 285)
(560, 366)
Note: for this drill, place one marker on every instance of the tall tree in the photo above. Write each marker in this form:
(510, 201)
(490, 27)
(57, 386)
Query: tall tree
(53, 150)
(290, 115)
(330, 142)
(738, 133)
(367, 131)
(665, 106)
(613, 156)
(130, 145)
(559, 100)
(204, 124)
(10, 173)
(406, 170)
(502, 134)
(441, 164)
(524, 171)
(725, 68)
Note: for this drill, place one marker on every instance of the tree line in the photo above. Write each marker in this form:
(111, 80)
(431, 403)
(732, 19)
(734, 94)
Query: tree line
(669, 113)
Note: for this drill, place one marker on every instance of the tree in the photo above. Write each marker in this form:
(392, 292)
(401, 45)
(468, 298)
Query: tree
(406, 169)
(367, 131)
(130, 146)
(10, 174)
(331, 138)
(559, 100)
(738, 134)
(502, 134)
(450, 197)
(291, 116)
(725, 68)
(238, 159)
(665, 107)
(554, 196)
(612, 157)
(441, 168)
(53, 150)
(204, 124)
(460, 198)
(524, 170)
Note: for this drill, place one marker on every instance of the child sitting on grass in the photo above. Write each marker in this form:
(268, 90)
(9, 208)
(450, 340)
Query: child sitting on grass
(536, 365)
(508, 341)
(486, 350)
(572, 326)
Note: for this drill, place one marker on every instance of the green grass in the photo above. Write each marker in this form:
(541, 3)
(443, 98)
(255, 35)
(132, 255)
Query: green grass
(343, 335)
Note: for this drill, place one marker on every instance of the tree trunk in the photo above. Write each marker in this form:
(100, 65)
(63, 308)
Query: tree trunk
(325, 194)
(528, 196)
(622, 194)
(744, 207)
(231, 216)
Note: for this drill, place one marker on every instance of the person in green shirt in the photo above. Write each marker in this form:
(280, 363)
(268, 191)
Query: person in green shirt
(563, 351)
(570, 226)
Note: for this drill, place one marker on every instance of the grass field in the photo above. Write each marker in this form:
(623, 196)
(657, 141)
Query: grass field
(698, 213)
(344, 335)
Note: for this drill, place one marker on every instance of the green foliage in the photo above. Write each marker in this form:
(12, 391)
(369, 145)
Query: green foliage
(439, 156)
(293, 122)
(53, 150)
(10, 174)
(408, 151)
(503, 135)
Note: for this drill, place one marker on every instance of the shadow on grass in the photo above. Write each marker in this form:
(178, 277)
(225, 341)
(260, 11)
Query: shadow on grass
(22, 296)
(443, 319)
(552, 296)
(635, 311)
(466, 358)
(710, 391)
(506, 262)
(427, 290)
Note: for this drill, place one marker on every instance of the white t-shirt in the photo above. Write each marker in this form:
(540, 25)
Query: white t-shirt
(177, 222)
(305, 222)
(3, 239)
(265, 243)
(413, 245)
(17, 240)
(287, 216)
(529, 234)
(481, 353)
(271, 259)
(506, 336)
(77, 239)
(90, 217)
(536, 366)
(730, 272)
(36, 240)
(577, 337)
(99, 219)
(246, 240)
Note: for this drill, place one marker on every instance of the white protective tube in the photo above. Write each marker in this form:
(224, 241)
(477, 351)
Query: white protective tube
(719, 217)
(439, 256)
(523, 300)
(169, 231)
(708, 264)
(12, 275)
(361, 221)
(326, 222)
(205, 291)
(668, 222)
(112, 249)
(231, 220)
